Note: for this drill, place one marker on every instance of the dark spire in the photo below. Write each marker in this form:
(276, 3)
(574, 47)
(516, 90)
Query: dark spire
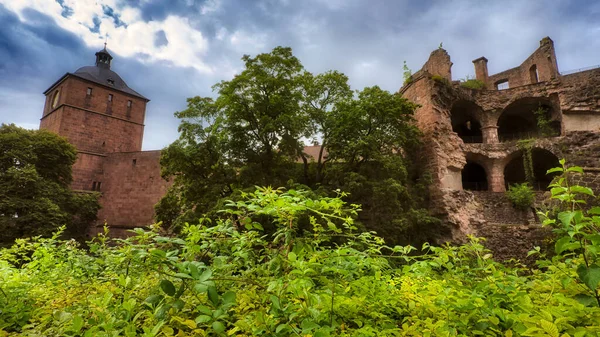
(103, 58)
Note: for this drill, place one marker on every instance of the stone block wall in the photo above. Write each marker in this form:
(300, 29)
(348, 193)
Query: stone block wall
(132, 186)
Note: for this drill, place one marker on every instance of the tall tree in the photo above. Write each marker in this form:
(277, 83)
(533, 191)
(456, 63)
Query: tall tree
(35, 173)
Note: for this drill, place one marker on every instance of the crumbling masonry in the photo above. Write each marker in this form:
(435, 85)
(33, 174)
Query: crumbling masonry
(474, 139)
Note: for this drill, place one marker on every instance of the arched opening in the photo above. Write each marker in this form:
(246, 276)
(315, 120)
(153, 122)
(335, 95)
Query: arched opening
(533, 74)
(528, 118)
(463, 116)
(542, 161)
(474, 177)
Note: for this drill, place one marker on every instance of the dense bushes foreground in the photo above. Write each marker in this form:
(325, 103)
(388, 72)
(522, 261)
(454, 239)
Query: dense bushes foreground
(229, 278)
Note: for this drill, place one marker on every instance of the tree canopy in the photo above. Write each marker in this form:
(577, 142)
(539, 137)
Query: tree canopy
(35, 173)
(256, 130)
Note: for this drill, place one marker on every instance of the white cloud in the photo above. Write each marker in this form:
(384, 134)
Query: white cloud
(186, 46)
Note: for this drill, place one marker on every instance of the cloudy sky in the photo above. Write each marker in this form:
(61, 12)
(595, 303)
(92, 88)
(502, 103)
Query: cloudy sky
(169, 50)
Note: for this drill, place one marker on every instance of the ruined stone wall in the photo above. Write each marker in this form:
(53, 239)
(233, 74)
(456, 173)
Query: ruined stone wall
(540, 66)
(132, 186)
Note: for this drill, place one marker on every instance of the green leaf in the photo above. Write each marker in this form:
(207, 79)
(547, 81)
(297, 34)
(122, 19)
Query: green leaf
(292, 256)
(280, 327)
(587, 300)
(229, 297)
(168, 287)
(203, 319)
(575, 169)
(205, 275)
(590, 276)
(205, 310)
(275, 301)
(561, 244)
(554, 169)
(154, 299)
(582, 190)
(594, 210)
(77, 323)
(218, 327)
(213, 295)
(549, 328)
(183, 275)
(566, 217)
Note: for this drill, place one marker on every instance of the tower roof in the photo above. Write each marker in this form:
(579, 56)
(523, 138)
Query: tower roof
(101, 74)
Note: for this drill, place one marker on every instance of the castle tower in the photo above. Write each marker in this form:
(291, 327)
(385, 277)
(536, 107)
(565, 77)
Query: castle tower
(98, 113)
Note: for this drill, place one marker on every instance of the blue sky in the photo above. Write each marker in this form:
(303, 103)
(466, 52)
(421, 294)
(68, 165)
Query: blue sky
(171, 50)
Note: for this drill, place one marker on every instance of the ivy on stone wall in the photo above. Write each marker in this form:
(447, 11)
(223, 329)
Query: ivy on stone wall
(543, 122)
(526, 145)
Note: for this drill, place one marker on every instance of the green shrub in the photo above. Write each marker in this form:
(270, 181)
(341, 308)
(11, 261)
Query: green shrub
(230, 279)
(440, 79)
(521, 196)
(472, 83)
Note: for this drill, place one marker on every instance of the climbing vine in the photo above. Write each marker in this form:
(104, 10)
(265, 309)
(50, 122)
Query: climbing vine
(543, 122)
(526, 145)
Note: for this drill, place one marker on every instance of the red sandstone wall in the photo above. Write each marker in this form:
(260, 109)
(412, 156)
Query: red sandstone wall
(543, 58)
(87, 169)
(130, 190)
(100, 133)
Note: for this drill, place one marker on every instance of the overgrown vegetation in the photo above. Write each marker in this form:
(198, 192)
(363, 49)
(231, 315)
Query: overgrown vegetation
(440, 79)
(472, 83)
(406, 74)
(521, 196)
(526, 146)
(254, 133)
(35, 198)
(543, 122)
(315, 275)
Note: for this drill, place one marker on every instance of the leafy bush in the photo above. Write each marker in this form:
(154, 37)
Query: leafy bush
(472, 83)
(229, 278)
(521, 196)
(440, 79)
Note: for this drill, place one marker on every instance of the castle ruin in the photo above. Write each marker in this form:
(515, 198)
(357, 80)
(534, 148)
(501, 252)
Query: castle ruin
(472, 139)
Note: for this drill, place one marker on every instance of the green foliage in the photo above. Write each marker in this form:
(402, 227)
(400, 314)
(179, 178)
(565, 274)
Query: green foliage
(440, 79)
(254, 133)
(472, 83)
(35, 173)
(544, 124)
(521, 196)
(320, 278)
(406, 74)
(526, 145)
(578, 242)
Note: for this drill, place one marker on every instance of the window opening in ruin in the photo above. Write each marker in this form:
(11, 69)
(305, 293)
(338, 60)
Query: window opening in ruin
(533, 74)
(541, 161)
(99, 186)
(502, 85)
(89, 92)
(129, 103)
(528, 118)
(474, 177)
(134, 162)
(110, 97)
(94, 186)
(466, 126)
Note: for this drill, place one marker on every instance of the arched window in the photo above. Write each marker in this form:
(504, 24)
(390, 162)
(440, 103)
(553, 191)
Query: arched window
(529, 117)
(542, 161)
(464, 122)
(474, 177)
(533, 74)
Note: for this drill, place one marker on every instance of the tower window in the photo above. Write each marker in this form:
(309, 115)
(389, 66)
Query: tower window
(96, 185)
(129, 103)
(89, 91)
(110, 81)
(134, 162)
(110, 97)
(55, 98)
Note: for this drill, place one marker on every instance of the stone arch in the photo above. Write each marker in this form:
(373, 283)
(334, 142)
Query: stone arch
(519, 121)
(465, 117)
(475, 173)
(543, 160)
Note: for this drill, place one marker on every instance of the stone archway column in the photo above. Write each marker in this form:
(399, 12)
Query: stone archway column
(490, 134)
(496, 177)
